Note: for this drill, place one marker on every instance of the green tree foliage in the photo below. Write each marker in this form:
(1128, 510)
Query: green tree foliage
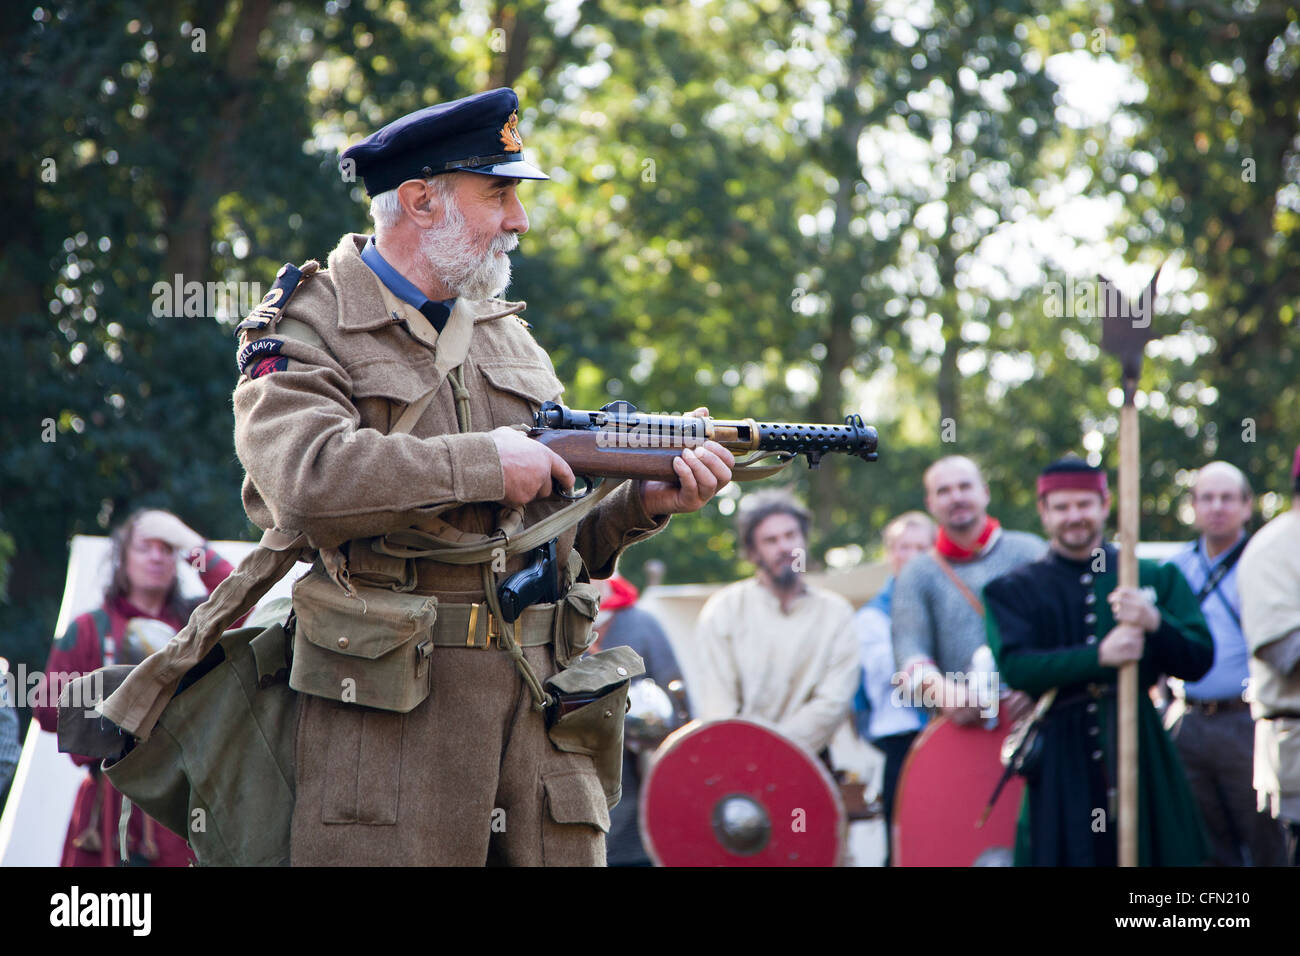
(1221, 121)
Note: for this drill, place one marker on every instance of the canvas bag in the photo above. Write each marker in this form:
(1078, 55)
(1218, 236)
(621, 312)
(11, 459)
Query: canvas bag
(218, 770)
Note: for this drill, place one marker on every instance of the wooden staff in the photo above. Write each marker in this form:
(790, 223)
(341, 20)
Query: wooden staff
(1129, 501)
(1125, 332)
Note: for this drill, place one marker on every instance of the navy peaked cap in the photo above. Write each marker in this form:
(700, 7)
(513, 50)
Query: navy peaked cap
(476, 134)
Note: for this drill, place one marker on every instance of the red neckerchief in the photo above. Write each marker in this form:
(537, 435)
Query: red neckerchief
(955, 552)
(127, 610)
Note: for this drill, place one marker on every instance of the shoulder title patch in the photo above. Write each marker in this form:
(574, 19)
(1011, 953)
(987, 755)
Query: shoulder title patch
(255, 350)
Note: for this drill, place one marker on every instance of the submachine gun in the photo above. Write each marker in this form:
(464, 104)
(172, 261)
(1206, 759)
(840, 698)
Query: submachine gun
(619, 441)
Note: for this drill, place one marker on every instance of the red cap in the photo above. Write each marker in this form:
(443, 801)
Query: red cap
(1073, 481)
(620, 593)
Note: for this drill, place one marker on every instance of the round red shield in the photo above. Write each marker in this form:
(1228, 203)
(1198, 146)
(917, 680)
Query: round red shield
(738, 793)
(944, 787)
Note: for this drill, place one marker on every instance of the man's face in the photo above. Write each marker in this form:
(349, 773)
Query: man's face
(915, 539)
(1074, 520)
(778, 543)
(956, 496)
(481, 222)
(1221, 506)
(150, 564)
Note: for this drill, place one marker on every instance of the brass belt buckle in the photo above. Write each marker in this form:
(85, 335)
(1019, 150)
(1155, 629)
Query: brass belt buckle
(493, 629)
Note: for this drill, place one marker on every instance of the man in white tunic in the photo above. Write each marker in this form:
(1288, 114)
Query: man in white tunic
(774, 647)
(1269, 579)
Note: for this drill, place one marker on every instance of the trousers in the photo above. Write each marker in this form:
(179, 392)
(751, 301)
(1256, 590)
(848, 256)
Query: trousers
(467, 778)
(1218, 757)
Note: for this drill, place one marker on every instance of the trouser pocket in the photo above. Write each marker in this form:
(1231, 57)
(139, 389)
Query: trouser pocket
(363, 764)
(575, 820)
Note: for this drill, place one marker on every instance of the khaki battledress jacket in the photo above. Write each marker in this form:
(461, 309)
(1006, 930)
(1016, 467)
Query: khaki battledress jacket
(469, 776)
(313, 437)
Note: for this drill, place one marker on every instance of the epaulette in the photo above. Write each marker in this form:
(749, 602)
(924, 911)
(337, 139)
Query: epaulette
(273, 303)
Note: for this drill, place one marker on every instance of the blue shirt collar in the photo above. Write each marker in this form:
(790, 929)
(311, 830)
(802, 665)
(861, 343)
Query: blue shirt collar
(398, 284)
(1203, 550)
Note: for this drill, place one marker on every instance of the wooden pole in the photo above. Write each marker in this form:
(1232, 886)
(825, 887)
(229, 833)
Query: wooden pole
(1129, 521)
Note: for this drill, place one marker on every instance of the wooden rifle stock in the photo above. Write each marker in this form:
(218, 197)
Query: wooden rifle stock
(586, 456)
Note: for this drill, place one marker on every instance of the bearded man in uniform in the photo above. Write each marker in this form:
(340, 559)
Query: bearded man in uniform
(338, 448)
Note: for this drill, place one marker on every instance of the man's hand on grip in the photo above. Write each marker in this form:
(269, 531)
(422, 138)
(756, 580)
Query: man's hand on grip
(530, 468)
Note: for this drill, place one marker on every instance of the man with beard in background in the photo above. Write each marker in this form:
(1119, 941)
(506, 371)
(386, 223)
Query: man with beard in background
(773, 646)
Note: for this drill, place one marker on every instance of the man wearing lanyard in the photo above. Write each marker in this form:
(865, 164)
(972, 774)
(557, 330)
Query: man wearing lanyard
(1214, 733)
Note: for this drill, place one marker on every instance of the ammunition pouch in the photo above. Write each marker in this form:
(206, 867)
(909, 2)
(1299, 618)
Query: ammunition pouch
(586, 717)
(574, 616)
(371, 649)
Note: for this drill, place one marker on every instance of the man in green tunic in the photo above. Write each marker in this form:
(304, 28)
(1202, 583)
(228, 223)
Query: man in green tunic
(1061, 622)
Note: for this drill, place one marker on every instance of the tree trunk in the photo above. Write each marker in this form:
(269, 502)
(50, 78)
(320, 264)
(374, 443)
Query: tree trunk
(843, 279)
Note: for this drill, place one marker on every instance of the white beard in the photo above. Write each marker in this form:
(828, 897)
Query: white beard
(451, 250)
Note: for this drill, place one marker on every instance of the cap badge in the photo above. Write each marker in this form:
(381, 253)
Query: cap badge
(510, 135)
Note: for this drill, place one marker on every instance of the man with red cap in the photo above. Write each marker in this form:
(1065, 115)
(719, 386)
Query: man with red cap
(1062, 623)
(1270, 617)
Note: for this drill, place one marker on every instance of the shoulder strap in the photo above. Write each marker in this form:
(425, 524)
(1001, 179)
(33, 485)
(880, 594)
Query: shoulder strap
(411, 414)
(1220, 572)
(299, 331)
(966, 592)
(286, 283)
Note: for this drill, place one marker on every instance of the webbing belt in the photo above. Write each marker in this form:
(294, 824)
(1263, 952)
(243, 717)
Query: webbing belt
(471, 625)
